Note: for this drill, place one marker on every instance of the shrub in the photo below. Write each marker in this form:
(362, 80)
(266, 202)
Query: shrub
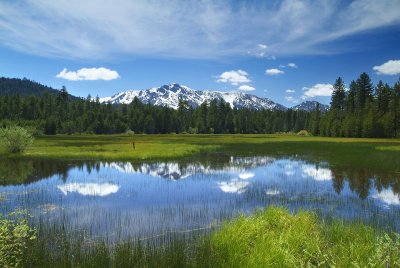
(15, 139)
(130, 132)
(303, 133)
(15, 237)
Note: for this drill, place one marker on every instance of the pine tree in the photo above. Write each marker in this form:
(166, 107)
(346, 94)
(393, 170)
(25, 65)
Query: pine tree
(338, 96)
(315, 120)
(364, 91)
(396, 108)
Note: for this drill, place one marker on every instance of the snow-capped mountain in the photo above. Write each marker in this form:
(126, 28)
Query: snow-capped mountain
(169, 95)
(309, 106)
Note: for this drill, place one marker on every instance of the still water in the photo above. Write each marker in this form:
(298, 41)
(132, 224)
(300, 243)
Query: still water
(119, 200)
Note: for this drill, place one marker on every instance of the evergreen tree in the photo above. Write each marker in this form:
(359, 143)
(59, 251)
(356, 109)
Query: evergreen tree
(364, 91)
(395, 107)
(315, 120)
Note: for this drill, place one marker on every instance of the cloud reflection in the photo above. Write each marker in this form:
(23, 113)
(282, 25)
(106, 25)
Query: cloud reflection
(89, 189)
(388, 197)
(234, 186)
(246, 175)
(318, 174)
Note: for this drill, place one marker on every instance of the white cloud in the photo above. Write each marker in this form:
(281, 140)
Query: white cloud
(290, 91)
(274, 72)
(290, 64)
(318, 90)
(262, 46)
(391, 67)
(261, 51)
(246, 88)
(88, 74)
(291, 99)
(234, 77)
(187, 29)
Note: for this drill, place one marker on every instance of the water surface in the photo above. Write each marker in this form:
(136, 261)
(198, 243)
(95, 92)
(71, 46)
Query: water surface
(119, 200)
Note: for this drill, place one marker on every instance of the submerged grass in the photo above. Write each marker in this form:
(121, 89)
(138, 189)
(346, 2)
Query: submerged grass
(270, 238)
(380, 154)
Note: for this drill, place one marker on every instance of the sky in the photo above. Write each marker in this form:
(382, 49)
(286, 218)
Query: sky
(288, 51)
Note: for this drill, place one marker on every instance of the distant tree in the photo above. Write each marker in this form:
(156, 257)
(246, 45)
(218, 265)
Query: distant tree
(351, 98)
(382, 96)
(315, 120)
(149, 124)
(395, 107)
(338, 101)
(364, 90)
(50, 127)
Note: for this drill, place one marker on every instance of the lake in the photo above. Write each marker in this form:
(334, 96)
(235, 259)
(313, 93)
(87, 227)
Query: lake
(114, 201)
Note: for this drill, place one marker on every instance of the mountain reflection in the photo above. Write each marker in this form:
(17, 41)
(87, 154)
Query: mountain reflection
(384, 186)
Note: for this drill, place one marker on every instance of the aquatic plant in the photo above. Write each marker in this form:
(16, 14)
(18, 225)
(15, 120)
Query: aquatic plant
(16, 237)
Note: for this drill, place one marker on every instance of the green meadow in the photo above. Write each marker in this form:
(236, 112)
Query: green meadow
(381, 154)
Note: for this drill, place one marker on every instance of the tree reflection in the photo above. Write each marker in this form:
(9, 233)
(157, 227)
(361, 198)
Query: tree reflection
(360, 180)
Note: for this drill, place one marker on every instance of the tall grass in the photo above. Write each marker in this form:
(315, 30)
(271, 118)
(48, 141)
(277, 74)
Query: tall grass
(276, 238)
(269, 238)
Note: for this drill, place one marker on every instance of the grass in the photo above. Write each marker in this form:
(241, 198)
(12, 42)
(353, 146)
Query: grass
(270, 238)
(276, 238)
(379, 154)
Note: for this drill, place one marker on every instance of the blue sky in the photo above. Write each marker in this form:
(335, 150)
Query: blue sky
(288, 51)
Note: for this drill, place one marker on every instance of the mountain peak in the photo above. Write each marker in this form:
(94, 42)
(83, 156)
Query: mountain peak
(169, 95)
(310, 106)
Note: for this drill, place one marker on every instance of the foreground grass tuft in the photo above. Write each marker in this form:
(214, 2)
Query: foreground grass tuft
(276, 238)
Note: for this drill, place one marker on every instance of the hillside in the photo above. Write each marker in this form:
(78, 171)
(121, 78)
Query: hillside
(25, 87)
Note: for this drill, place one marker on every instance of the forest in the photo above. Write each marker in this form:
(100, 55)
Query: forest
(362, 110)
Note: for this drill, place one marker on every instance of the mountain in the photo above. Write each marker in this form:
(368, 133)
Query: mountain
(169, 95)
(25, 87)
(309, 106)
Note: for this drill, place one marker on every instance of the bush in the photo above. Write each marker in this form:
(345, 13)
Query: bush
(15, 139)
(303, 133)
(15, 239)
(130, 132)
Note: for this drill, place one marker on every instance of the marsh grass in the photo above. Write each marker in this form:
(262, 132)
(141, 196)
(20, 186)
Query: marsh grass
(269, 238)
(276, 238)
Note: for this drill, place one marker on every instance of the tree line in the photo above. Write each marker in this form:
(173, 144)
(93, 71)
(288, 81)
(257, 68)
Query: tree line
(363, 110)
(59, 114)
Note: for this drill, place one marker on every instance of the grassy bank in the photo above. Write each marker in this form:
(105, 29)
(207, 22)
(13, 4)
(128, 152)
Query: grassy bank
(380, 154)
(270, 238)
